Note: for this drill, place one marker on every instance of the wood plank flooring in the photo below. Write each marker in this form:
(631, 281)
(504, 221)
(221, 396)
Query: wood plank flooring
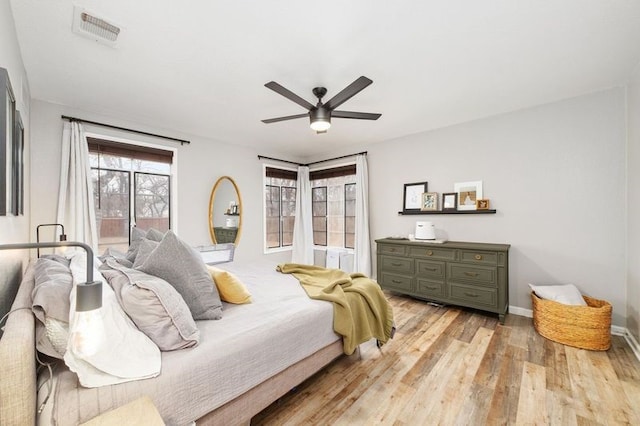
(452, 366)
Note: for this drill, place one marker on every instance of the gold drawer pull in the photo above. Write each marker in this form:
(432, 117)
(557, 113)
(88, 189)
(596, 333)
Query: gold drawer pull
(470, 294)
(430, 269)
(396, 282)
(430, 288)
(392, 249)
(471, 274)
(429, 253)
(396, 264)
(478, 257)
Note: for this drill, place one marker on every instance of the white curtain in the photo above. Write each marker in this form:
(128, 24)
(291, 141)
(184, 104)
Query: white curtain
(362, 246)
(76, 210)
(303, 226)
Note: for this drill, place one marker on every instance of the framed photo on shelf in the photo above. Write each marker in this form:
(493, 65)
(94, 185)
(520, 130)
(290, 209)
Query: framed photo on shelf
(449, 201)
(482, 204)
(468, 193)
(412, 197)
(429, 201)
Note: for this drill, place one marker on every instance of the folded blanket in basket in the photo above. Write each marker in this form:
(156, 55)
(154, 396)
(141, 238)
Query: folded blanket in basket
(360, 310)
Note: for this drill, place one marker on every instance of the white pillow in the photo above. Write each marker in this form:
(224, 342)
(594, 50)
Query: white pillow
(125, 353)
(567, 294)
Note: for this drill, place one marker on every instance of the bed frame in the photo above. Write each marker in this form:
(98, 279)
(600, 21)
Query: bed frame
(18, 372)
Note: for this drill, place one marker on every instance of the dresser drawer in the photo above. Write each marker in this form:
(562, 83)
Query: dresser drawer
(427, 269)
(429, 288)
(482, 275)
(475, 297)
(432, 252)
(479, 257)
(394, 249)
(396, 264)
(396, 282)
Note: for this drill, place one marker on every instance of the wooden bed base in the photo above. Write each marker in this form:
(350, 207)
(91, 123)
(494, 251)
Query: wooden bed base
(18, 373)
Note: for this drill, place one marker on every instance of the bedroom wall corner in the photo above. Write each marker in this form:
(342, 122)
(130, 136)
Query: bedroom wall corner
(633, 205)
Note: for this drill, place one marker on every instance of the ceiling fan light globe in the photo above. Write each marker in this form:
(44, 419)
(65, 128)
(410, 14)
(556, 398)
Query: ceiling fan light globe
(320, 125)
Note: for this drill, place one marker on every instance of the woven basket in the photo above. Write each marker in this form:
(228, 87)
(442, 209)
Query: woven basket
(585, 327)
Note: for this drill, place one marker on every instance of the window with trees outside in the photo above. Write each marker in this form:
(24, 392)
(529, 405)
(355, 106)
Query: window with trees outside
(334, 204)
(132, 187)
(280, 207)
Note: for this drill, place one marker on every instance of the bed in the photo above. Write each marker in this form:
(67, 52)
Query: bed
(225, 379)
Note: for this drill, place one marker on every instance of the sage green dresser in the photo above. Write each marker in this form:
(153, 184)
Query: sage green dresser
(225, 235)
(475, 275)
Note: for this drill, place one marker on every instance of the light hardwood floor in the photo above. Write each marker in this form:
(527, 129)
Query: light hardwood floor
(452, 366)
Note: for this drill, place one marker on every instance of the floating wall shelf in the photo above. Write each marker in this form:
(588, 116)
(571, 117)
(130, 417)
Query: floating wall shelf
(420, 212)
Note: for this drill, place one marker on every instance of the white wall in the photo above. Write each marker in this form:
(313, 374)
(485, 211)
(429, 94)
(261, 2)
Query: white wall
(633, 205)
(556, 175)
(200, 164)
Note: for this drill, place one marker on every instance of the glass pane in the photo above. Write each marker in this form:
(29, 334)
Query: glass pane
(111, 192)
(150, 166)
(273, 232)
(287, 231)
(320, 231)
(152, 201)
(108, 161)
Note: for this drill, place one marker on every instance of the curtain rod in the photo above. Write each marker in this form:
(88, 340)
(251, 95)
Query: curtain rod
(182, 141)
(260, 157)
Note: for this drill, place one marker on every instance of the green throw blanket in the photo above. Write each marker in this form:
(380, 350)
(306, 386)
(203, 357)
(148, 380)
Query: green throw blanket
(360, 310)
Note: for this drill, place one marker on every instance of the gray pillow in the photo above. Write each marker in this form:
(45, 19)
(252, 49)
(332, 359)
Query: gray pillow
(154, 235)
(50, 304)
(144, 250)
(154, 306)
(121, 257)
(137, 235)
(180, 265)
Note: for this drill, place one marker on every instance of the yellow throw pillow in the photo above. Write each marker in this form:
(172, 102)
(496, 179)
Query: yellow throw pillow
(229, 286)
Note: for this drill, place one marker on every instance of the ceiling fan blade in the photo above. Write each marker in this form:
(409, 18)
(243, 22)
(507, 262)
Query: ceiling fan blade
(288, 117)
(348, 92)
(356, 115)
(288, 94)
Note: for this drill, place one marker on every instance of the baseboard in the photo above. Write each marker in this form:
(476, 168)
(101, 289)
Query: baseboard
(633, 343)
(615, 329)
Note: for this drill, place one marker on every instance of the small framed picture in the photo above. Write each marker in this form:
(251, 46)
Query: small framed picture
(429, 201)
(412, 198)
(482, 204)
(468, 193)
(449, 201)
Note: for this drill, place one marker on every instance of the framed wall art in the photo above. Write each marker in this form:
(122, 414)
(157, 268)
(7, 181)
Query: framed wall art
(482, 204)
(7, 120)
(468, 193)
(429, 201)
(449, 201)
(17, 167)
(412, 197)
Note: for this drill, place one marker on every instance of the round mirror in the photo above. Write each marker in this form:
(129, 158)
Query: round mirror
(225, 212)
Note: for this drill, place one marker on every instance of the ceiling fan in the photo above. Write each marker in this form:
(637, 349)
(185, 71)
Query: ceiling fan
(321, 114)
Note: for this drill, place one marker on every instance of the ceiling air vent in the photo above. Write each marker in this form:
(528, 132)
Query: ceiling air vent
(97, 29)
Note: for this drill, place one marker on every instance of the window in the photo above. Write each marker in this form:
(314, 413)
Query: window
(132, 186)
(333, 192)
(280, 206)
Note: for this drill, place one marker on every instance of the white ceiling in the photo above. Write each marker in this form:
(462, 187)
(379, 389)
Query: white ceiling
(200, 66)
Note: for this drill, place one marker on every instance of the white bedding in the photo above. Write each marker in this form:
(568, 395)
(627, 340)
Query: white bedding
(251, 343)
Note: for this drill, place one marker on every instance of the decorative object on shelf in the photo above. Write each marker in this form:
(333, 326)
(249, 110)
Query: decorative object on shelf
(468, 193)
(449, 201)
(429, 201)
(482, 204)
(412, 197)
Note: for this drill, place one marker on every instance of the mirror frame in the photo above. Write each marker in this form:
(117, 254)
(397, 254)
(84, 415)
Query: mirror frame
(212, 200)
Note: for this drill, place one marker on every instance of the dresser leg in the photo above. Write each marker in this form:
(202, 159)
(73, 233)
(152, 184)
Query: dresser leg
(501, 317)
